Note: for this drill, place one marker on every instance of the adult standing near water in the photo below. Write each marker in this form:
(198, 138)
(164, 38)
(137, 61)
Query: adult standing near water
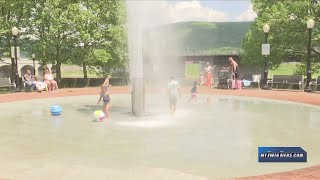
(208, 69)
(174, 93)
(235, 70)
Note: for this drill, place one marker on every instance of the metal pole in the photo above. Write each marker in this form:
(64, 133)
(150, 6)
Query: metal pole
(13, 70)
(307, 88)
(16, 61)
(34, 67)
(265, 74)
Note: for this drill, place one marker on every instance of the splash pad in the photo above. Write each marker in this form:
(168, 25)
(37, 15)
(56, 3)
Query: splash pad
(198, 142)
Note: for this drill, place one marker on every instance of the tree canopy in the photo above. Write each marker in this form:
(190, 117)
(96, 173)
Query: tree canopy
(53, 30)
(288, 35)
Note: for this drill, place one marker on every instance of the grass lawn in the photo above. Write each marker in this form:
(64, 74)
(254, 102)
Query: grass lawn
(76, 74)
(192, 70)
(74, 71)
(287, 69)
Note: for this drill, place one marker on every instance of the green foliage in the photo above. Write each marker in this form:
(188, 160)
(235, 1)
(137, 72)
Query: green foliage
(302, 69)
(13, 13)
(53, 28)
(100, 26)
(288, 34)
(214, 35)
(203, 37)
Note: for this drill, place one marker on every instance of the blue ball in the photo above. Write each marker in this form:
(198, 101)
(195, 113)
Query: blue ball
(55, 110)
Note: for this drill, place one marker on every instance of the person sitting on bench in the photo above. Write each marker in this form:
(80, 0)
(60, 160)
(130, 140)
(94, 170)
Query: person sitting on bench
(30, 81)
(51, 83)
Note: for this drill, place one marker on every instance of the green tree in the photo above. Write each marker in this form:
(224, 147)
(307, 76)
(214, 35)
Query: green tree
(53, 28)
(100, 27)
(53, 31)
(60, 25)
(112, 18)
(13, 13)
(288, 34)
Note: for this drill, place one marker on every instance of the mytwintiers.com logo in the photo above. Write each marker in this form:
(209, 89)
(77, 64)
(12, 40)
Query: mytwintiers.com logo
(281, 154)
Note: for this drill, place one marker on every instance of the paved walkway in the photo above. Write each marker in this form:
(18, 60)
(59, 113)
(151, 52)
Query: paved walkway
(295, 96)
(311, 173)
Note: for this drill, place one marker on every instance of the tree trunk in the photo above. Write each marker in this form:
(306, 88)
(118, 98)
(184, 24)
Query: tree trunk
(58, 66)
(84, 68)
(85, 72)
(58, 71)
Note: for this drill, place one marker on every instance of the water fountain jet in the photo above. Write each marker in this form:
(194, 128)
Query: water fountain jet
(151, 47)
(136, 63)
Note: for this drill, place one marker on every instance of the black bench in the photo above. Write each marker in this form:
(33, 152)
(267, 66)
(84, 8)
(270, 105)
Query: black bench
(314, 84)
(286, 80)
(6, 83)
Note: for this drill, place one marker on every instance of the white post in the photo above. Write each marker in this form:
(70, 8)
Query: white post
(138, 80)
(136, 65)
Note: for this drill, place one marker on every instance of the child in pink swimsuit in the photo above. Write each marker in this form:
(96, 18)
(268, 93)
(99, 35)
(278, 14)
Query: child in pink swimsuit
(194, 92)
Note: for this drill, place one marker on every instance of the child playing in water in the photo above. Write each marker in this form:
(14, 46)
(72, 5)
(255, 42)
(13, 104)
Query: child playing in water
(194, 92)
(107, 86)
(106, 83)
(174, 93)
(105, 95)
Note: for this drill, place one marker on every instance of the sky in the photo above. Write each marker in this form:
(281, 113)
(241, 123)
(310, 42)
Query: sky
(148, 13)
(214, 10)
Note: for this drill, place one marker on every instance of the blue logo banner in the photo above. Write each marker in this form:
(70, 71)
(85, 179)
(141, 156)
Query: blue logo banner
(281, 154)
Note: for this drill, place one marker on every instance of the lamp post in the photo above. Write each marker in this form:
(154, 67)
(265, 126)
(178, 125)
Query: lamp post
(266, 29)
(310, 24)
(84, 66)
(15, 32)
(34, 66)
